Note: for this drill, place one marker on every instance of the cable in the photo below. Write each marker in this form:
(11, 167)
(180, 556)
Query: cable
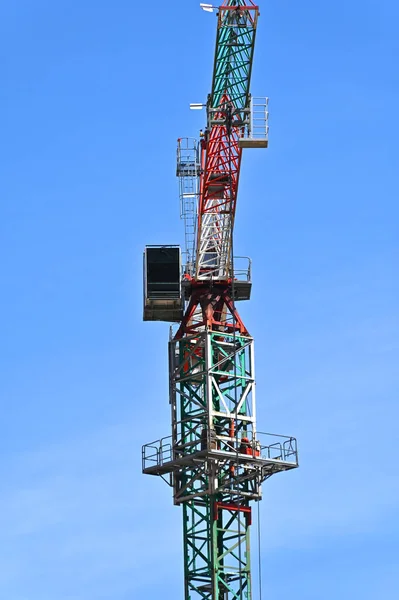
(259, 555)
(229, 118)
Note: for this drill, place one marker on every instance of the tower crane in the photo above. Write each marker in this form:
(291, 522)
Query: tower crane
(215, 459)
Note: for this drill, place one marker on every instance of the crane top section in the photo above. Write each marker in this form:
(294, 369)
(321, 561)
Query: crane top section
(228, 126)
(235, 40)
(209, 171)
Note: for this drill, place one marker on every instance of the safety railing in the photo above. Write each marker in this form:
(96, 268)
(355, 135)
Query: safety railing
(278, 447)
(259, 118)
(255, 132)
(242, 270)
(157, 453)
(265, 446)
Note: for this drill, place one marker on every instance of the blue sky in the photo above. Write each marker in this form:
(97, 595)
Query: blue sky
(94, 95)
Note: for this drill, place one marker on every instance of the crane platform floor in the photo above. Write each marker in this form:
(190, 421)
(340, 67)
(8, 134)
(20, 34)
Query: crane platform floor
(242, 288)
(253, 143)
(273, 465)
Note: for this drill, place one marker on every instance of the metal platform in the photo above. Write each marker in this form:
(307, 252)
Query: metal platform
(255, 134)
(240, 291)
(269, 466)
(240, 288)
(163, 310)
(160, 458)
(253, 143)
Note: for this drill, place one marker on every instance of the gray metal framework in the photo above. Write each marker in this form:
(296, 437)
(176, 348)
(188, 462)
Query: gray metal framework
(188, 170)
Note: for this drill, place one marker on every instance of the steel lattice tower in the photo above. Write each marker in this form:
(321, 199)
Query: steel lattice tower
(215, 459)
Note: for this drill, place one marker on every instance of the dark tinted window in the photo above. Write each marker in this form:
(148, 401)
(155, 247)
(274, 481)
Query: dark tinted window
(163, 271)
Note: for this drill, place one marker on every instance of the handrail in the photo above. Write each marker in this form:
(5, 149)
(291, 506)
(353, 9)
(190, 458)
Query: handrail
(163, 450)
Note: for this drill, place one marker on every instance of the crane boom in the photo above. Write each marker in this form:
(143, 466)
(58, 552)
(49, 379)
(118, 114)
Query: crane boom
(227, 114)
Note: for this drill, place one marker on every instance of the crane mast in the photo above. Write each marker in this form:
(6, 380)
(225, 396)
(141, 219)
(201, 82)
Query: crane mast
(215, 459)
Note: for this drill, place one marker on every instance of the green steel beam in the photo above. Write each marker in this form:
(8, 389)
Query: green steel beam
(234, 51)
(212, 375)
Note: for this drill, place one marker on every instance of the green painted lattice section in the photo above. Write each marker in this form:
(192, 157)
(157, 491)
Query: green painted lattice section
(217, 559)
(214, 374)
(233, 55)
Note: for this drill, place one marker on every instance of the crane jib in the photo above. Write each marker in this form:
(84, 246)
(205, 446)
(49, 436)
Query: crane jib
(227, 111)
(235, 44)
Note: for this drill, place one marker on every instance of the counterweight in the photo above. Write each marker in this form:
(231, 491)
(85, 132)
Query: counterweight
(215, 458)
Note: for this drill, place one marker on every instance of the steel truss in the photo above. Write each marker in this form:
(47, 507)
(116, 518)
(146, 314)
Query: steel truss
(217, 551)
(215, 458)
(213, 410)
(228, 112)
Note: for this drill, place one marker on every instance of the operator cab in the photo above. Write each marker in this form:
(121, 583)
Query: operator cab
(162, 286)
